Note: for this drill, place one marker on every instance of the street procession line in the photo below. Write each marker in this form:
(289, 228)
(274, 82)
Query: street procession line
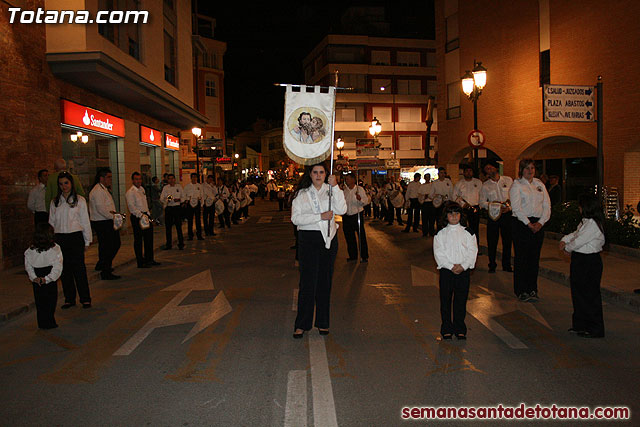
(295, 412)
(294, 303)
(324, 409)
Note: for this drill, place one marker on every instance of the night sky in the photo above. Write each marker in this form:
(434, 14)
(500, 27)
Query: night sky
(267, 41)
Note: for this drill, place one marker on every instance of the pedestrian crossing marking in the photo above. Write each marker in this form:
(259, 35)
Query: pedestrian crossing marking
(265, 219)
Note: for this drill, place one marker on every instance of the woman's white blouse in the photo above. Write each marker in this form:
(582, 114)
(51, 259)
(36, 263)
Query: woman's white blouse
(308, 206)
(530, 199)
(51, 257)
(455, 245)
(66, 219)
(587, 239)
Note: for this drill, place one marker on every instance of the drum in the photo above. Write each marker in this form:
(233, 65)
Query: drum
(494, 210)
(219, 206)
(118, 221)
(145, 222)
(438, 200)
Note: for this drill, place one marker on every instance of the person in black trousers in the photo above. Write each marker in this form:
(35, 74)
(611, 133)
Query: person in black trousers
(69, 216)
(317, 245)
(353, 220)
(43, 263)
(496, 189)
(224, 194)
(137, 203)
(102, 209)
(585, 245)
(531, 210)
(36, 200)
(171, 198)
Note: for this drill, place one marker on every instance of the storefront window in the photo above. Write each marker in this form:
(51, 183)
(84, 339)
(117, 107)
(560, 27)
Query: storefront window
(89, 153)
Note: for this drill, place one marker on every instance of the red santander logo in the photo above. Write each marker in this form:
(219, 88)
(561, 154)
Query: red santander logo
(88, 118)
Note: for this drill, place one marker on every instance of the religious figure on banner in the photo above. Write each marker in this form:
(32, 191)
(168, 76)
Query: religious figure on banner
(308, 129)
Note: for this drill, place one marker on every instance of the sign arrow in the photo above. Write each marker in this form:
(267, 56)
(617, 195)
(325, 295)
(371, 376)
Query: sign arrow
(588, 114)
(173, 313)
(588, 103)
(588, 91)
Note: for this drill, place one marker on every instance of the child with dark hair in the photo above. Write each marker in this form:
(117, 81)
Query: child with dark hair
(455, 249)
(43, 263)
(585, 245)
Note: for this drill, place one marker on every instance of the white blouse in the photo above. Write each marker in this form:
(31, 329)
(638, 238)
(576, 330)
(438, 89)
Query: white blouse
(530, 199)
(455, 245)
(587, 239)
(101, 204)
(495, 191)
(66, 219)
(308, 206)
(137, 201)
(51, 257)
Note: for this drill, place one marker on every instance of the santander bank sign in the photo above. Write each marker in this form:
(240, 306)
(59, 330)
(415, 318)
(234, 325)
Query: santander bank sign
(87, 118)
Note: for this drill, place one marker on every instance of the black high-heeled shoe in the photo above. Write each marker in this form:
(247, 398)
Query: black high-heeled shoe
(298, 335)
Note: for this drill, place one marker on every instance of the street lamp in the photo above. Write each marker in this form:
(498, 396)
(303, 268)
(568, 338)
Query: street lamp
(375, 128)
(472, 84)
(197, 132)
(340, 146)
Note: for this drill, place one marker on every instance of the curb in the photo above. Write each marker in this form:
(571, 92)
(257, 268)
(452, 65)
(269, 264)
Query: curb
(618, 298)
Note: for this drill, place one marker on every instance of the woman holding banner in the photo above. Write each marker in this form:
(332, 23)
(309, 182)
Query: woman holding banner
(316, 199)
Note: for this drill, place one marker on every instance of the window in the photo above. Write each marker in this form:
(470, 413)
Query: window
(453, 42)
(545, 67)
(431, 59)
(170, 35)
(209, 60)
(409, 59)
(125, 36)
(380, 57)
(409, 87)
(409, 142)
(385, 141)
(453, 100)
(345, 114)
(210, 88)
(355, 81)
(409, 114)
(383, 114)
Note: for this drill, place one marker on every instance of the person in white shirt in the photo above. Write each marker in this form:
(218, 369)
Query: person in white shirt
(353, 220)
(69, 216)
(426, 207)
(496, 189)
(139, 208)
(35, 201)
(43, 263)
(210, 194)
(224, 194)
(313, 212)
(441, 191)
(395, 202)
(413, 213)
(253, 191)
(455, 250)
(193, 196)
(101, 211)
(171, 198)
(466, 193)
(585, 245)
(531, 210)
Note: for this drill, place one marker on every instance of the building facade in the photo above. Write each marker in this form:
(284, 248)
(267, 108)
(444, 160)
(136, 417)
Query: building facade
(524, 45)
(208, 93)
(391, 80)
(97, 95)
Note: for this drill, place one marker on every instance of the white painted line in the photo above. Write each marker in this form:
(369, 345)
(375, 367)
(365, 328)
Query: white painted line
(422, 277)
(324, 409)
(295, 412)
(265, 219)
(294, 303)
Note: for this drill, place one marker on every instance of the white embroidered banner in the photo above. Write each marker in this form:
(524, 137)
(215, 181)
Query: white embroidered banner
(308, 124)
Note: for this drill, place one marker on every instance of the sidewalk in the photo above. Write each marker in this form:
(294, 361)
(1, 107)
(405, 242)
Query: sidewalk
(16, 293)
(619, 278)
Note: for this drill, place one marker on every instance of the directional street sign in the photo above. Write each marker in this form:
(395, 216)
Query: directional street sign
(561, 103)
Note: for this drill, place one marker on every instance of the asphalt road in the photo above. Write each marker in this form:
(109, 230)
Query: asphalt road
(216, 347)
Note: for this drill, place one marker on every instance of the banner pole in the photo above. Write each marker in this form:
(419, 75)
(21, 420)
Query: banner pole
(333, 132)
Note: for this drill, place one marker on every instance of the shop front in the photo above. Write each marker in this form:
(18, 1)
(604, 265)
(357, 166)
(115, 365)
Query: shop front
(171, 149)
(150, 154)
(90, 141)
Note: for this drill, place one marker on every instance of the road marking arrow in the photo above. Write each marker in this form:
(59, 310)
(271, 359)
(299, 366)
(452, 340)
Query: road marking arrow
(486, 307)
(173, 313)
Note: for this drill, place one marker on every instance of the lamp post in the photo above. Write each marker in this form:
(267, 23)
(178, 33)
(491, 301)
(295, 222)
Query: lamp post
(375, 128)
(236, 156)
(340, 146)
(197, 132)
(472, 84)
